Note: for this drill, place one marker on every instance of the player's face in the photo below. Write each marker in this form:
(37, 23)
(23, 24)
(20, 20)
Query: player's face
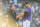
(26, 5)
(13, 7)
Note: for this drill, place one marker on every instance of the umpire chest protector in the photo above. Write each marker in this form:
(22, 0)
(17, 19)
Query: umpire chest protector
(13, 13)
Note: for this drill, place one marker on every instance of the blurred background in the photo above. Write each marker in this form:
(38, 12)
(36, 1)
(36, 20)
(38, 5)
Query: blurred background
(6, 19)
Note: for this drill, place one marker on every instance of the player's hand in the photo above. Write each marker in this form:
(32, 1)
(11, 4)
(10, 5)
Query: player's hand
(16, 17)
(21, 14)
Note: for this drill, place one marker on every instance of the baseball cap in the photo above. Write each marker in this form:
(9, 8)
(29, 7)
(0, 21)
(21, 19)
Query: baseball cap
(26, 2)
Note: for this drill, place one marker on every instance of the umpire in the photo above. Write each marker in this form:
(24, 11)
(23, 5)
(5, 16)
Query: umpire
(12, 11)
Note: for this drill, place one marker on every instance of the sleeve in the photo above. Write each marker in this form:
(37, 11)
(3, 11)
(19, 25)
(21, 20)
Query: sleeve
(27, 11)
(26, 14)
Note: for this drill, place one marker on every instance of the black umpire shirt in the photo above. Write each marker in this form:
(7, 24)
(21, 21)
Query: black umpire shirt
(13, 13)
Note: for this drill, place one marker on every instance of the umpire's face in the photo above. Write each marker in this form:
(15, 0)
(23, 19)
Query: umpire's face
(12, 7)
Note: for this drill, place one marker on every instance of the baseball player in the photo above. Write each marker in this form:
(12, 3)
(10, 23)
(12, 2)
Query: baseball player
(26, 15)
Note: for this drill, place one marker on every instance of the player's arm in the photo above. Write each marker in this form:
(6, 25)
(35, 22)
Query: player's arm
(20, 15)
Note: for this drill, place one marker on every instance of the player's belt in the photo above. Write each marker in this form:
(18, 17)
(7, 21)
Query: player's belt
(25, 20)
